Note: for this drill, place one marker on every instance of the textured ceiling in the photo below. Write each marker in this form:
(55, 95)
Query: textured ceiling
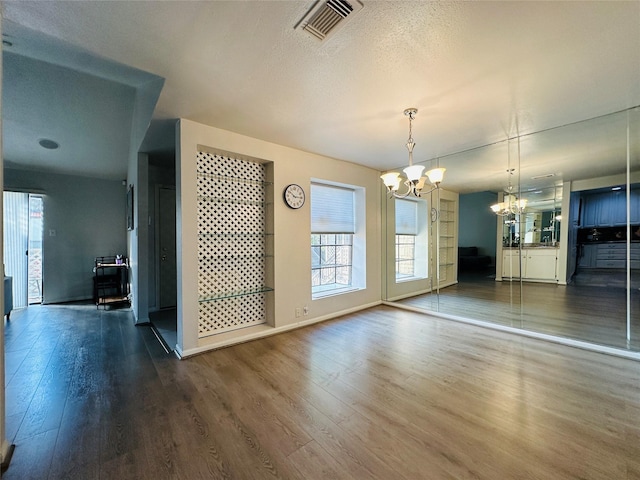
(477, 71)
(97, 110)
(27, 78)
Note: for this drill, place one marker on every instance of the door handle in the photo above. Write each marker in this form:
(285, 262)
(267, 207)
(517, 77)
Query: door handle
(163, 258)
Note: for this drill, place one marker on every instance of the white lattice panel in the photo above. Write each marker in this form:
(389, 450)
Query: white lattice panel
(230, 314)
(231, 243)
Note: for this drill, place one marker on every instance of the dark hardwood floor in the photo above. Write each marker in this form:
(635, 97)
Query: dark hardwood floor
(592, 310)
(384, 393)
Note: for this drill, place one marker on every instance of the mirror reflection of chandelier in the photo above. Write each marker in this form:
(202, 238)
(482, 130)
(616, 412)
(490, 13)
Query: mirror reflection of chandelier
(415, 181)
(511, 204)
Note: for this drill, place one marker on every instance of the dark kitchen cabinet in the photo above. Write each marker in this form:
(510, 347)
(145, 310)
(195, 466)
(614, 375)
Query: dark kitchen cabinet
(609, 255)
(593, 209)
(609, 209)
(587, 256)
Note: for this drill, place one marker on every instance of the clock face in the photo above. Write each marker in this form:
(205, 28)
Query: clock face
(434, 214)
(294, 196)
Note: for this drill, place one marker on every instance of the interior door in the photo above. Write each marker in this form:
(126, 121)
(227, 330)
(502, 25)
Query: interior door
(167, 247)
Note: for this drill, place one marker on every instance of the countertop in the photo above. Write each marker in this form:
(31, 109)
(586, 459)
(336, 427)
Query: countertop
(533, 245)
(602, 242)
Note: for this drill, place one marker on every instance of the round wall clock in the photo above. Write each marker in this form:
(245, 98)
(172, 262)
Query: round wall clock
(293, 196)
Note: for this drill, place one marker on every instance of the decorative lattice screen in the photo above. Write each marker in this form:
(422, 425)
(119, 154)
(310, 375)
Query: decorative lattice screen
(231, 243)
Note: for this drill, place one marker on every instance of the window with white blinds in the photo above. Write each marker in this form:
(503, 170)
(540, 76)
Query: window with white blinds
(406, 217)
(332, 209)
(410, 239)
(336, 250)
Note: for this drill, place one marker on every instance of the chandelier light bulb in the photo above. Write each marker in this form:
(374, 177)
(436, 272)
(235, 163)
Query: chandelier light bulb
(413, 172)
(391, 179)
(436, 175)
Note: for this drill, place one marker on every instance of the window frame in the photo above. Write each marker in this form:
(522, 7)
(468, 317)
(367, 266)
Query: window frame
(419, 231)
(356, 247)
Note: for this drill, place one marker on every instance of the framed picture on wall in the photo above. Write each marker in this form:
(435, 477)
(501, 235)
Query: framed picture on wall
(130, 208)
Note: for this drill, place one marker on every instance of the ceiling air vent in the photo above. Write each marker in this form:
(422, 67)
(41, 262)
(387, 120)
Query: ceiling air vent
(326, 17)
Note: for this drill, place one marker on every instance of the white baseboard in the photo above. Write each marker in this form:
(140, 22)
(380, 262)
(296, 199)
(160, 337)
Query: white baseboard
(212, 343)
(593, 347)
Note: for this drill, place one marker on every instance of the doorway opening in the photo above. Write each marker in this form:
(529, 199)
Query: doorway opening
(23, 252)
(164, 317)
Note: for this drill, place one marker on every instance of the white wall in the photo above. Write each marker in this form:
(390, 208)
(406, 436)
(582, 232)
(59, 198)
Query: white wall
(144, 104)
(88, 217)
(4, 444)
(291, 234)
(138, 238)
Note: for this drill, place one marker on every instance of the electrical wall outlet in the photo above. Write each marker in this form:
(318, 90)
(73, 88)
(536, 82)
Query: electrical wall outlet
(298, 312)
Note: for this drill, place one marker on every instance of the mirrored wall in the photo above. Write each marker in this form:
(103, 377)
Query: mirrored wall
(562, 257)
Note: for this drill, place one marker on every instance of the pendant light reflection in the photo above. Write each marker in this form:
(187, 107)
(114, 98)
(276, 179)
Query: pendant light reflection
(511, 204)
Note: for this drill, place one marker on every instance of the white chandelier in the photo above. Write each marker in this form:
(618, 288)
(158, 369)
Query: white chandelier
(511, 204)
(414, 179)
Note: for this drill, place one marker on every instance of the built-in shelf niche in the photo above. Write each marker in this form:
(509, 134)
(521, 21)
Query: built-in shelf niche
(235, 242)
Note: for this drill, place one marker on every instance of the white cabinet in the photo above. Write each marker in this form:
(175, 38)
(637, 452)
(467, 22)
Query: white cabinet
(536, 264)
(541, 263)
(511, 263)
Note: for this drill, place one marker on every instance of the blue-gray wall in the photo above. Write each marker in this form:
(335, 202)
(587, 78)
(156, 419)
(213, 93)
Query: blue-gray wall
(477, 226)
(88, 217)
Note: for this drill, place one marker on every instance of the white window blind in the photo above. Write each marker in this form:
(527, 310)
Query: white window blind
(332, 209)
(406, 217)
(16, 243)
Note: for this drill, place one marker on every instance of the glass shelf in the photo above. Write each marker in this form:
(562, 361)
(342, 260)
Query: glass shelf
(234, 235)
(255, 203)
(236, 257)
(242, 293)
(241, 181)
